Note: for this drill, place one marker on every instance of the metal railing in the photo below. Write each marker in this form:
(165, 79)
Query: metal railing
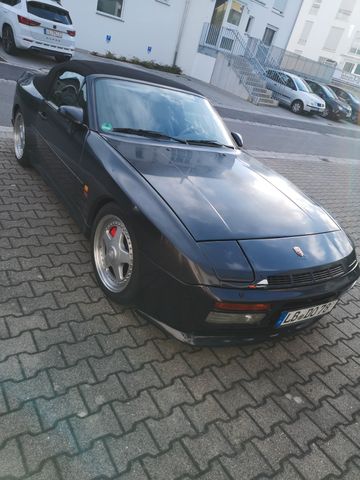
(230, 42)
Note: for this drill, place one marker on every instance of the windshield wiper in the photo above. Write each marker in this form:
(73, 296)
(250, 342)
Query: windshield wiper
(210, 143)
(147, 133)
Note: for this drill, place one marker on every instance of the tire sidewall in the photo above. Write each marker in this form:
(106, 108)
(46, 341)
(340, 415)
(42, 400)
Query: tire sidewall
(129, 294)
(12, 50)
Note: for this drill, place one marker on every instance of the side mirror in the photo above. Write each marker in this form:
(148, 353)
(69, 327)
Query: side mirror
(74, 114)
(238, 139)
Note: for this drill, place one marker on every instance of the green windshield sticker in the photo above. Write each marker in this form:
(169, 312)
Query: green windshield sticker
(106, 127)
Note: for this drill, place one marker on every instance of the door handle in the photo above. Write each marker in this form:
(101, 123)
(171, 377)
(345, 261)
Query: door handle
(43, 115)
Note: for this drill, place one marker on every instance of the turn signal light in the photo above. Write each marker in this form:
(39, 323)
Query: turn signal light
(72, 33)
(242, 307)
(28, 21)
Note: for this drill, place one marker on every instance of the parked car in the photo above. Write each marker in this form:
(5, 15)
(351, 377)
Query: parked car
(335, 108)
(44, 27)
(206, 241)
(292, 91)
(351, 100)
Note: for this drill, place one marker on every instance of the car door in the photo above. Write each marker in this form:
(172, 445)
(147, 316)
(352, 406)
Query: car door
(60, 140)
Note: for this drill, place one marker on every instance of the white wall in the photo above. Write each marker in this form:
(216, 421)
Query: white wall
(145, 23)
(323, 21)
(265, 15)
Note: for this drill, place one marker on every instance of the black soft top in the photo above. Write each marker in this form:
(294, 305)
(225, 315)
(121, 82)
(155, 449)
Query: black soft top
(88, 67)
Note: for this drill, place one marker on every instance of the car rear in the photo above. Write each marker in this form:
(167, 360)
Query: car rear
(47, 27)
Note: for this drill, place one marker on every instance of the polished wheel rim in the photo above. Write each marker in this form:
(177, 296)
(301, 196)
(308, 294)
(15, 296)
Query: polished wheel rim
(326, 112)
(19, 136)
(113, 253)
(296, 107)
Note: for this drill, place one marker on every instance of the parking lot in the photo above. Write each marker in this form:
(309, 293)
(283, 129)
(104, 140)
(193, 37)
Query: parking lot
(90, 390)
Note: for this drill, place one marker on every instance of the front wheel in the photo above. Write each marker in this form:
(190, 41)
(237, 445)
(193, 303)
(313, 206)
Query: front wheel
(115, 254)
(8, 40)
(297, 107)
(326, 113)
(21, 146)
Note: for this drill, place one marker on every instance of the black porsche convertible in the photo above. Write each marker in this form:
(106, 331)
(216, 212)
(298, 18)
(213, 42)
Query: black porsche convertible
(202, 238)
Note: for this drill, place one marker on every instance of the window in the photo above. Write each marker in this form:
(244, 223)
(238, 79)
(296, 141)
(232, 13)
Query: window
(49, 12)
(68, 89)
(235, 13)
(314, 10)
(111, 7)
(357, 69)
(290, 83)
(305, 33)
(249, 25)
(348, 67)
(346, 9)
(280, 5)
(333, 39)
(355, 46)
(269, 35)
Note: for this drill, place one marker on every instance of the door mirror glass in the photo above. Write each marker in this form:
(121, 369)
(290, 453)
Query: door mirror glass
(238, 139)
(74, 114)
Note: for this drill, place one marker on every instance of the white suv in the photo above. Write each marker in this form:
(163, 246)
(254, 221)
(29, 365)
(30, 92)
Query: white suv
(43, 26)
(294, 92)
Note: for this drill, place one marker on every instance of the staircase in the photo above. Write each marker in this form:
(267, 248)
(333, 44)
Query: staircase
(253, 82)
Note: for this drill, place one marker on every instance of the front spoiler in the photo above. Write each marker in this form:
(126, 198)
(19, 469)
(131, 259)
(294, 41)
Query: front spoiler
(227, 340)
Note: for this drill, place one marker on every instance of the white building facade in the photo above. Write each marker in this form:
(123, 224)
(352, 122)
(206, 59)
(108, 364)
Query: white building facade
(329, 31)
(168, 31)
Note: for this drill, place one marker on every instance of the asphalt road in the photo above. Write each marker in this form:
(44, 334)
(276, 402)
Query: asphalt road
(271, 132)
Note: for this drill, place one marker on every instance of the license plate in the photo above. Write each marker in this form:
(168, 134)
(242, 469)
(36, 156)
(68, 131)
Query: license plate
(289, 318)
(53, 33)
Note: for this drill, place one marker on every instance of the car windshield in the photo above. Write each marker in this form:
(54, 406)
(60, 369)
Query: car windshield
(330, 93)
(123, 104)
(301, 85)
(49, 12)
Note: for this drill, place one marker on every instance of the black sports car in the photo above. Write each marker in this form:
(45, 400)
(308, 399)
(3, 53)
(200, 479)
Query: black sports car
(207, 242)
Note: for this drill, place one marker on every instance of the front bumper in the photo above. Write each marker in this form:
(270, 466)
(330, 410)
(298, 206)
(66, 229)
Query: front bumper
(312, 109)
(182, 310)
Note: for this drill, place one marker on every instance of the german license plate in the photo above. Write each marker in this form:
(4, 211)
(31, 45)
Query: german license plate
(289, 318)
(53, 33)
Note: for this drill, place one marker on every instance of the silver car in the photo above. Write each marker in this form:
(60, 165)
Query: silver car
(292, 91)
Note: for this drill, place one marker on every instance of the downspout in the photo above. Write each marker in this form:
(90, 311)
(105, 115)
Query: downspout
(181, 31)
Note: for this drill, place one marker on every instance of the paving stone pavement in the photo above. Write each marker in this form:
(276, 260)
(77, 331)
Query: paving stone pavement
(91, 391)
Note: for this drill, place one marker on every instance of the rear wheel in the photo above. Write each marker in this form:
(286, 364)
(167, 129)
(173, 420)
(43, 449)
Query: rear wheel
(20, 140)
(297, 107)
(115, 254)
(8, 40)
(62, 58)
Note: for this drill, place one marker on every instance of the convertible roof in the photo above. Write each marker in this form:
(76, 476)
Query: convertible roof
(87, 67)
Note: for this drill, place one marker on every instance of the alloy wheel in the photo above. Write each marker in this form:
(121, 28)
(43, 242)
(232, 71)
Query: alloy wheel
(113, 253)
(19, 136)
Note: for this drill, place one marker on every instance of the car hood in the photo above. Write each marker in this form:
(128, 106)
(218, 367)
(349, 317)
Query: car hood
(221, 194)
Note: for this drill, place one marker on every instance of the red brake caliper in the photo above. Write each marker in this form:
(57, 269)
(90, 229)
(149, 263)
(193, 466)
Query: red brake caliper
(113, 231)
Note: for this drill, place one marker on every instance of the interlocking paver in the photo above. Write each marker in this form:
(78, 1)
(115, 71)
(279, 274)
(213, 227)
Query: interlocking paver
(90, 389)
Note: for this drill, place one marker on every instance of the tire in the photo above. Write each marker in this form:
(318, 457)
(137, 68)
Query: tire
(8, 40)
(297, 107)
(21, 140)
(115, 254)
(62, 58)
(327, 113)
